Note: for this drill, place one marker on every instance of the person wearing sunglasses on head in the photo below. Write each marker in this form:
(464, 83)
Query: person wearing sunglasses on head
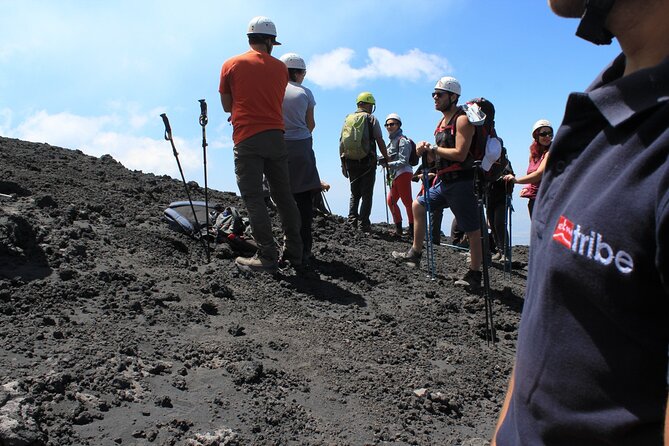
(542, 132)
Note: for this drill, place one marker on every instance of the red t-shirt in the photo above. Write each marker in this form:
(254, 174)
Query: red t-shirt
(257, 82)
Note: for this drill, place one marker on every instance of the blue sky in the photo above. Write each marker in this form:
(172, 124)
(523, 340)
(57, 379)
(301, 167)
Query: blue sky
(95, 76)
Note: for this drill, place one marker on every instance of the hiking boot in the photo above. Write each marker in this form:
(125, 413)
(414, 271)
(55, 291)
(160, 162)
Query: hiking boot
(499, 257)
(471, 280)
(256, 263)
(411, 257)
(366, 227)
(398, 230)
(288, 260)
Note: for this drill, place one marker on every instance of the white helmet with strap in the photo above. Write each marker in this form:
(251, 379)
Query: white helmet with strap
(262, 25)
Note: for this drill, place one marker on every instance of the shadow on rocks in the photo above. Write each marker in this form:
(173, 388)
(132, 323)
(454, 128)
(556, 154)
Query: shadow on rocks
(341, 270)
(20, 253)
(309, 282)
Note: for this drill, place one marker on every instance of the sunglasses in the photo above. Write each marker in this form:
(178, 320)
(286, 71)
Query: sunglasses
(391, 124)
(438, 94)
(546, 134)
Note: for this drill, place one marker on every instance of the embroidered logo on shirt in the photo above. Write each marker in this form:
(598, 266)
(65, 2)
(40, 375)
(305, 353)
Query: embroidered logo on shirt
(591, 246)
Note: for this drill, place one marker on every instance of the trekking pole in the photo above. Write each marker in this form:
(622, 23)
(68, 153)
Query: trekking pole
(168, 137)
(509, 199)
(506, 240)
(325, 202)
(480, 198)
(428, 219)
(203, 123)
(385, 190)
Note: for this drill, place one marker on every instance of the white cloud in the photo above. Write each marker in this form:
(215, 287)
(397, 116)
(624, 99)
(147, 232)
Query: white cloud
(143, 153)
(334, 69)
(109, 134)
(62, 128)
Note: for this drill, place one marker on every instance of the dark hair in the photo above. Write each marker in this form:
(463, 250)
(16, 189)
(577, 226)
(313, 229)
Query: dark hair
(293, 72)
(255, 38)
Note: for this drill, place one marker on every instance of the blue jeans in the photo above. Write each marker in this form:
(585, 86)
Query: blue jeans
(460, 197)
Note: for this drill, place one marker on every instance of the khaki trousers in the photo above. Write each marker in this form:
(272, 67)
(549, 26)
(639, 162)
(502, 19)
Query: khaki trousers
(265, 154)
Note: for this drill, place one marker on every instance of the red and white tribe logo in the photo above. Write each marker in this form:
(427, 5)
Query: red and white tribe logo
(591, 246)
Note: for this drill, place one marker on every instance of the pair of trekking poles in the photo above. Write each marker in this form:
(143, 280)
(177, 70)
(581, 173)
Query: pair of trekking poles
(480, 188)
(480, 197)
(197, 233)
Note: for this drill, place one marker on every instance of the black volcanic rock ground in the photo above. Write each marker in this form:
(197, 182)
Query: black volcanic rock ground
(114, 330)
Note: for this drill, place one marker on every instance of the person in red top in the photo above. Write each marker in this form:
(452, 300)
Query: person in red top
(252, 87)
(542, 132)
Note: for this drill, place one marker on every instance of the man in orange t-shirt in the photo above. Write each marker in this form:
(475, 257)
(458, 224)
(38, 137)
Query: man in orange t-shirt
(252, 88)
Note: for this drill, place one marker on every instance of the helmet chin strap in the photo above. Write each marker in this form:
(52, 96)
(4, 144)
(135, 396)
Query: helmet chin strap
(593, 23)
(451, 102)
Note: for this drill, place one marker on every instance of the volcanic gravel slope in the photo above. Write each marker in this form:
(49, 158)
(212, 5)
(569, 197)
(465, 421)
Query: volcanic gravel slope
(115, 330)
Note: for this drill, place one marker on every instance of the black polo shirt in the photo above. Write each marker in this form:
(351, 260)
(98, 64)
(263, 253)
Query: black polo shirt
(591, 365)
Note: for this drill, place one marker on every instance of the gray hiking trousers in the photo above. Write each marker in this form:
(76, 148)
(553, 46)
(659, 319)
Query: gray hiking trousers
(265, 153)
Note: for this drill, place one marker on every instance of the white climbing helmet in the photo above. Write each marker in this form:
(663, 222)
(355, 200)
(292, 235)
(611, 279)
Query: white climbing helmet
(394, 116)
(293, 60)
(262, 25)
(448, 83)
(541, 123)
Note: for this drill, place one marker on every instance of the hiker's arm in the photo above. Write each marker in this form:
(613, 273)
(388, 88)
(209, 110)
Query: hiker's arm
(463, 140)
(377, 135)
(505, 408)
(382, 147)
(530, 178)
(226, 101)
(344, 170)
(309, 118)
(423, 147)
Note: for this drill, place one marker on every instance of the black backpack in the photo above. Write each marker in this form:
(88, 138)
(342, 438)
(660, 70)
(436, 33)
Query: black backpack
(179, 217)
(414, 159)
(483, 130)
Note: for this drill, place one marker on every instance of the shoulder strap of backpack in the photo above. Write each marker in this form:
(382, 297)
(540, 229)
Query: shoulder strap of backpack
(372, 140)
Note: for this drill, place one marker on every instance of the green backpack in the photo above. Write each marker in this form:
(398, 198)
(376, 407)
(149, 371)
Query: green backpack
(352, 136)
